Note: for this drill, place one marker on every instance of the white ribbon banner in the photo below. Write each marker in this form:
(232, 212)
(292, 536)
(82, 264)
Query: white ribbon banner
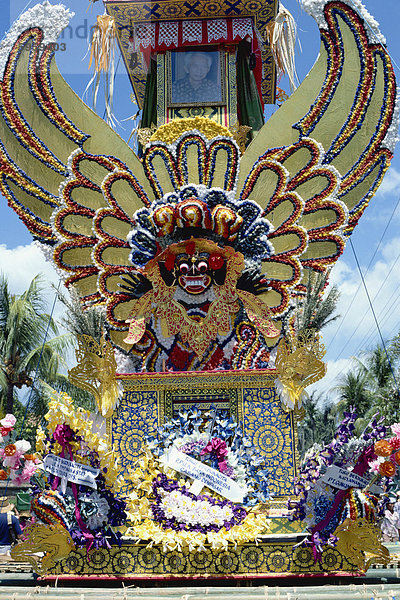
(342, 479)
(73, 471)
(213, 479)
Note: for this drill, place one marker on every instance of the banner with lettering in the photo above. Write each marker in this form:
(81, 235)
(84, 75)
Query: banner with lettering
(73, 471)
(213, 479)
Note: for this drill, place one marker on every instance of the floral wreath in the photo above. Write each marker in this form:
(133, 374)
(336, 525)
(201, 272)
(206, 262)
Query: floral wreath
(90, 515)
(321, 506)
(170, 512)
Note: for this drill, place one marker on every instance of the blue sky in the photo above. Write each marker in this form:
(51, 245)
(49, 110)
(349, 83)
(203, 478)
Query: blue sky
(376, 239)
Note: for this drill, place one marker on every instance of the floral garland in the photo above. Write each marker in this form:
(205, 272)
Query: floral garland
(89, 514)
(167, 512)
(17, 464)
(176, 508)
(323, 507)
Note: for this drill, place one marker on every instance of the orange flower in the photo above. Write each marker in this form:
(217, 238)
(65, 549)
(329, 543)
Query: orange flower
(387, 469)
(3, 474)
(397, 457)
(29, 457)
(383, 448)
(10, 450)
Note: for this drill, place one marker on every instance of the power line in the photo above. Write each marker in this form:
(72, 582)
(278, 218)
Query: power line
(359, 286)
(374, 315)
(378, 292)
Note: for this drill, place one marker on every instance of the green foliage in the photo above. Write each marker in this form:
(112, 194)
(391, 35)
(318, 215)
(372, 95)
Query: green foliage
(315, 310)
(370, 386)
(24, 350)
(77, 321)
(33, 353)
(318, 425)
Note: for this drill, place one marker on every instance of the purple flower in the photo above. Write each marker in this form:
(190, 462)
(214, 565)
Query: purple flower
(63, 434)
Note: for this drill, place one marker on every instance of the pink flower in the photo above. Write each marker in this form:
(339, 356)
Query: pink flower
(395, 429)
(217, 447)
(28, 471)
(8, 421)
(17, 478)
(13, 461)
(375, 464)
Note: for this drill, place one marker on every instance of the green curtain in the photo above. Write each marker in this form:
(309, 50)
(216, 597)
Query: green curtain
(149, 113)
(249, 104)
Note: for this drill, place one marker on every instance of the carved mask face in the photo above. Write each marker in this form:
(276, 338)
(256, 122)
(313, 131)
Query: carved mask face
(194, 272)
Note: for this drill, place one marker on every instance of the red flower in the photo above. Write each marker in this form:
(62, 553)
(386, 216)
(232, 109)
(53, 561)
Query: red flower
(387, 469)
(395, 443)
(383, 448)
(170, 262)
(5, 431)
(10, 450)
(190, 247)
(216, 261)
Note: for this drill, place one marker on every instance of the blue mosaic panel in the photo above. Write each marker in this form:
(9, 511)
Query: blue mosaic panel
(271, 431)
(135, 420)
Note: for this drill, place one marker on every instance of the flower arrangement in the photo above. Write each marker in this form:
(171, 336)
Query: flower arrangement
(17, 463)
(91, 514)
(169, 511)
(323, 506)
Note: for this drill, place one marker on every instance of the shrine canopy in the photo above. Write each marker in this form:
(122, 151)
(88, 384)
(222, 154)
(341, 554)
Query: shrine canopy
(154, 30)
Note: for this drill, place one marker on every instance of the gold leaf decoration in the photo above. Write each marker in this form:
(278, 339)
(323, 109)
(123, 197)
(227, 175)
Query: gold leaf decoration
(299, 364)
(95, 372)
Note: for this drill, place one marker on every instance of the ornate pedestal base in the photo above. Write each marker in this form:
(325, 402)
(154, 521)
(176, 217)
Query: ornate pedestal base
(274, 556)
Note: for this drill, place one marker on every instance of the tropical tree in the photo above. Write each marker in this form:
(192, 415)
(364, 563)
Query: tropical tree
(354, 391)
(318, 425)
(78, 321)
(316, 309)
(380, 365)
(24, 347)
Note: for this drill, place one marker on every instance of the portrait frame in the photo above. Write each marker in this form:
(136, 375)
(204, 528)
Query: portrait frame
(178, 85)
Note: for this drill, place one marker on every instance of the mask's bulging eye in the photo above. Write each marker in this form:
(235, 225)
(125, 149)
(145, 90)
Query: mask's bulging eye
(184, 268)
(202, 266)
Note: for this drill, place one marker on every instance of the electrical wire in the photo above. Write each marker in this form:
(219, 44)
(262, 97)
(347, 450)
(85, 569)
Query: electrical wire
(359, 287)
(374, 315)
(375, 297)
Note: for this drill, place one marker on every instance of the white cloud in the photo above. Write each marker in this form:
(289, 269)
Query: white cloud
(21, 264)
(356, 330)
(325, 387)
(390, 183)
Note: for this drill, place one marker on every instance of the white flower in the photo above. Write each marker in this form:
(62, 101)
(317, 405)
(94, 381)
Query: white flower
(22, 446)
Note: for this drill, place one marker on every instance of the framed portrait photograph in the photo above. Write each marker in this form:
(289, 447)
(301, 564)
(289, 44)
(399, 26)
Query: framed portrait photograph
(195, 78)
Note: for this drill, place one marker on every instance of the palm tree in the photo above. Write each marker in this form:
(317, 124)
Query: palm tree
(354, 392)
(315, 310)
(318, 425)
(89, 321)
(24, 326)
(379, 366)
